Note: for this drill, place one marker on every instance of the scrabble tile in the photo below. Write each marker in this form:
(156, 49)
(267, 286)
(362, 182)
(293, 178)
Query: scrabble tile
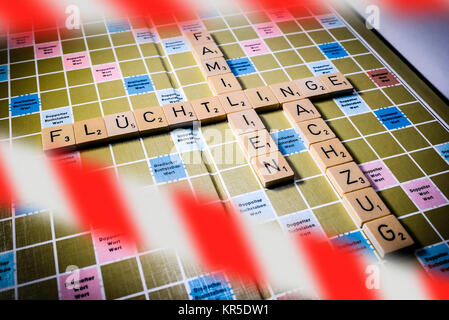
(300, 110)
(336, 83)
(58, 138)
(387, 235)
(286, 92)
(224, 83)
(209, 110)
(347, 178)
(151, 119)
(315, 130)
(272, 169)
(179, 114)
(198, 37)
(365, 205)
(206, 51)
(89, 132)
(214, 67)
(329, 153)
(262, 99)
(234, 102)
(257, 143)
(245, 121)
(311, 87)
(121, 125)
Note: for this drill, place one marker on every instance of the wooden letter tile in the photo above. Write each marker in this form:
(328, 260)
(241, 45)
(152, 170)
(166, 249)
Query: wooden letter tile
(262, 99)
(347, 178)
(214, 67)
(151, 119)
(121, 125)
(336, 83)
(300, 110)
(179, 114)
(329, 153)
(272, 169)
(245, 121)
(209, 110)
(206, 51)
(286, 92)
(315, 130)
(365, 205)
(312, 87)
(198, 37)
(387, 235)
(224, 83)
(88, 132)
(59, 137)
(234, 102)
(257, 143)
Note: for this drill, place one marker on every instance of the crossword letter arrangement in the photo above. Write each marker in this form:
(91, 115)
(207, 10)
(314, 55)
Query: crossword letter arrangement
(240, 107)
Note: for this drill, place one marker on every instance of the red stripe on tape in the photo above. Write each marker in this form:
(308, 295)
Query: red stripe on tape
(340, 275)
(437, 286)
(218, 237)
(8, 192)
(96, 198)
(21, 15)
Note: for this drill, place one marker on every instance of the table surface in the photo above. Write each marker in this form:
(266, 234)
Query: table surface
(423, 41)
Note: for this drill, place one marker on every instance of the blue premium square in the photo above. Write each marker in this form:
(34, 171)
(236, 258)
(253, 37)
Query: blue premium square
(4, 72)
(139, 84)
(322, 67)
(241, 66)
(26, 104)
(330, 21)
(288, 141)
(352, 104)
(435, 259)
(254, 205)
(167, 168)
(170, 95)
(25, 209)
(355, 242)
(210, 287)
(175, 45)
(7, 270)
(392, 118)
(333, 50)
(118, 25)
(187, 139)
(443, 150)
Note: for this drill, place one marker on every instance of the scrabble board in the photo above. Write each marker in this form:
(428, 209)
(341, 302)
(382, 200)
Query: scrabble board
(391, 124)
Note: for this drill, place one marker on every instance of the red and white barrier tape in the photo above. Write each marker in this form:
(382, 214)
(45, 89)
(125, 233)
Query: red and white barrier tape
(203, 232)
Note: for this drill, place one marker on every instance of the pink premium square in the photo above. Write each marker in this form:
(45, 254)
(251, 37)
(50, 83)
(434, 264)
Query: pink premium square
(106, 72)
(19, 40)
(89, 285)
(265, 30)
(112, 247)
(378, 174)
(254, 47)
(48, 50)
(279, 15)
(76, 61)
(424, 193)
